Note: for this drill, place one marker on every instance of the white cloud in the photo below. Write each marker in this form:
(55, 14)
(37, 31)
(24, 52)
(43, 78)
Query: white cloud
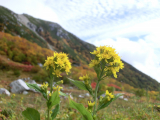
(86, 17)
(35, 8)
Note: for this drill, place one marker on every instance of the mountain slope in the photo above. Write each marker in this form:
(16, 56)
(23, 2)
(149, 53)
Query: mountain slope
(136, 78)
(51, 35)
(46, 34)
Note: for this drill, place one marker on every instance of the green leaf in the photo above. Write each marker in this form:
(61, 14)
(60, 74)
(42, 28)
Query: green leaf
(55, 111)
(37, 88)
(85, 113)
(79, 84)
(53, 100)
(31, 114)
(103, 105)
(34, 86)
(63, 94)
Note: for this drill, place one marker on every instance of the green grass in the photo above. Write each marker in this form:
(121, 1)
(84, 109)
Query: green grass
(118, 110)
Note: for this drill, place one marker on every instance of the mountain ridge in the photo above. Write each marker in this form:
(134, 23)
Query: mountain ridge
(51, 35)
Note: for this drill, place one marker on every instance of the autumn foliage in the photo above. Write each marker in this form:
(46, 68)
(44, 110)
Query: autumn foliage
(7, 64)
(115, 86)
(93, 85)
(21, 50)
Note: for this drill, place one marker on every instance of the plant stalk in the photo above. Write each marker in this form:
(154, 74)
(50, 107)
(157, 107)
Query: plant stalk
(95, 98)
(51, 83)
(51, 89)
(48, 113)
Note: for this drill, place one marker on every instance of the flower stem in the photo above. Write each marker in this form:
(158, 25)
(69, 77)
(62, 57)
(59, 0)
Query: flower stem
(51, 89)
(48, 113)
(51, 84)
(95, 98)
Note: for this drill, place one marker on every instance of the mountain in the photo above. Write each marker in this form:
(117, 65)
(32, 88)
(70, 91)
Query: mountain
(52, 36)
(46, 34)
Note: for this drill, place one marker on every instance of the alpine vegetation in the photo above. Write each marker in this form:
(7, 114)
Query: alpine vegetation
(106, 63)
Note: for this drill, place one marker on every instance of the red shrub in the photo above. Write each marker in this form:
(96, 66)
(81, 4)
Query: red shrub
(93, 84)
(115, 86)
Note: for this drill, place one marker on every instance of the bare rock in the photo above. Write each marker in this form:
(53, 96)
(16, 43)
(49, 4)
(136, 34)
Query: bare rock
(25, 92)
(4, 91)
(18, 86)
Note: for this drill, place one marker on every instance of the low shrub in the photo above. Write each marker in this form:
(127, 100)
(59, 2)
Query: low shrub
(140, 92)
(17, 73)
(35, 69)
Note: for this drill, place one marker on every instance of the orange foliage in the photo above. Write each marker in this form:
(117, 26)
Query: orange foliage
(23, 46)
(4, 62)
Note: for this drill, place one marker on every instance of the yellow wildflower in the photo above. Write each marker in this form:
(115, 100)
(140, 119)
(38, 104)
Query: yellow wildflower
(85, 79)
(108, 98)
(109, 95)
(57, 88)
(44, 86)
(57, 72)
(90, 106)
(107, 92)
(90, 103)
(93, 63)
(59, 63)
(59, 82)
(110, 59)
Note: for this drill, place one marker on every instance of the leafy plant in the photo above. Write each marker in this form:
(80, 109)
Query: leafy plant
(106, 63)
(54, 65)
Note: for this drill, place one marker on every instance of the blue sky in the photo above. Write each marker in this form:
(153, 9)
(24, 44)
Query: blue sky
(130, 26)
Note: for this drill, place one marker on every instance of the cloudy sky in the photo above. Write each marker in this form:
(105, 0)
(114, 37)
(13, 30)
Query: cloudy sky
(130, 26)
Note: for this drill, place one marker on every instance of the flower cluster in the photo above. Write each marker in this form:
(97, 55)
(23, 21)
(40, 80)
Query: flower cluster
(59, 62)
(44, 87)
(54, 88)
(87, 83)
(90, 103)
(57, 88)
(86, 79)
(109, 95)
(59, 82)
(107, 56)
(90, 106)
(107, 98)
